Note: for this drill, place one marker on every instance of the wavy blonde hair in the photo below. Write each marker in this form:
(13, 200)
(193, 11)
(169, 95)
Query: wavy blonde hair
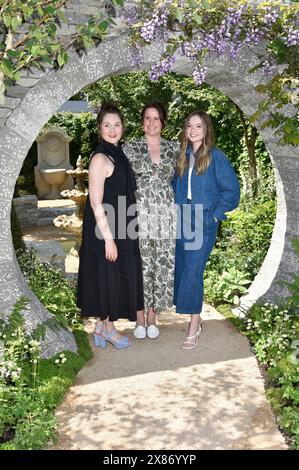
(202, 155)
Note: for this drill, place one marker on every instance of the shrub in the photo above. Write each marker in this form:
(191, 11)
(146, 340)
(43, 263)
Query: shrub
(239, 252)
(55, 292)
(31, 388)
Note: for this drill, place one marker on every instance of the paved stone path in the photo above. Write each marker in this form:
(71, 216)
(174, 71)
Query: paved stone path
(155, 395)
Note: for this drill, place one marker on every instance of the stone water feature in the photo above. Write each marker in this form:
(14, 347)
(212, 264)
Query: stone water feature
(73, 223)
(53, 156)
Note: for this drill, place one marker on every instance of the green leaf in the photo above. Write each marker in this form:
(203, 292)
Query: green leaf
(179, 14)
(16, 21)
(62, 58)
(61, 16)
(7, 20)
(27, 11)
(54, 48)
(52, 28)
(197, 18)
(50, 10)
(17, 75)
(119, 3)
(7, 68)
(87, 42)
(40, 11)
(103, 25)
(12, 53)
(36, 51)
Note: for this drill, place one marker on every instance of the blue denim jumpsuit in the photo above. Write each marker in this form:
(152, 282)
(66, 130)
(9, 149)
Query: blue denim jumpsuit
(214, 192)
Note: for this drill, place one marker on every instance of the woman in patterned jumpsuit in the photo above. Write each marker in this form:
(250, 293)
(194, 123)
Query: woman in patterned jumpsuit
(153, 160)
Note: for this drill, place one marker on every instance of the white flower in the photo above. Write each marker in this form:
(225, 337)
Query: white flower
(57, 361)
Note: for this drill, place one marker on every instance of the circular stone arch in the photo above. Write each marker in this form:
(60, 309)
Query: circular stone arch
(46, 93)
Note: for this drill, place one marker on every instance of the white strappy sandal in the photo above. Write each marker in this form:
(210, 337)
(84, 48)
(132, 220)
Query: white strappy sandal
(191, 342)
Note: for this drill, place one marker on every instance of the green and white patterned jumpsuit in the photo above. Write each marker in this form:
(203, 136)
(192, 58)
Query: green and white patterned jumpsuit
(154, 190)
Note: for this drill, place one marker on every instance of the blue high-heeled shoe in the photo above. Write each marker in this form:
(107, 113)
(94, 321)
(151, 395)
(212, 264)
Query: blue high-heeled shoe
(122, 343)
(99, 341)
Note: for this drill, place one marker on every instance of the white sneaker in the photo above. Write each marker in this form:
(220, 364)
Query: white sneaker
(140, 332)
(152, 332)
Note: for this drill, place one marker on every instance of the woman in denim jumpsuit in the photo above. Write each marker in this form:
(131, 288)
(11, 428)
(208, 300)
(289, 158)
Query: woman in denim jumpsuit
(206, 186)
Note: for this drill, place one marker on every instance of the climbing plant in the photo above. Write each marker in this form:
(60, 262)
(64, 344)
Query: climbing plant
(197, 29)
(30, 36)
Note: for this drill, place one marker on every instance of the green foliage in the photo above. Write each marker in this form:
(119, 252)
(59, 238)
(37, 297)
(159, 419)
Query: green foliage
(240, 250)
(227, 286)
(30, 387)
(274, 333)
(40, 43)
(55, 292)
(272, 330)
(180, 95)
(284, 393)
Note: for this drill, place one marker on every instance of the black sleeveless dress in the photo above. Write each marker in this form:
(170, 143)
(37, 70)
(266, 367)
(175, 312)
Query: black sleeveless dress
(105, 288)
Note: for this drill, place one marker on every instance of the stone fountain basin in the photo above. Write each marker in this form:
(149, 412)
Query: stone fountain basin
(75, 195)
(53, 175)
(71, 223)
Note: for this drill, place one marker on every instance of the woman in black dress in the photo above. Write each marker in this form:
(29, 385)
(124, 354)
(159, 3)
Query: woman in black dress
(110, 273)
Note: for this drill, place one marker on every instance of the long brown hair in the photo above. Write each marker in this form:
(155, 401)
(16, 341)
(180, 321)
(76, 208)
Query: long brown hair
(202, 155)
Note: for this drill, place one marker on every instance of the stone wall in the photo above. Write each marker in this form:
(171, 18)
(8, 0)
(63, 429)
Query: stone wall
(27, 210)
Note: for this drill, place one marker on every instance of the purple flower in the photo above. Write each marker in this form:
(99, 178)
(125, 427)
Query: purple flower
(131, 12)
(199, 74)
(268, 66)
(271, 15)
(135, 55)
(150, 28)
(161, 67)
(292, 38)
(190, 49)
(254, 36)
